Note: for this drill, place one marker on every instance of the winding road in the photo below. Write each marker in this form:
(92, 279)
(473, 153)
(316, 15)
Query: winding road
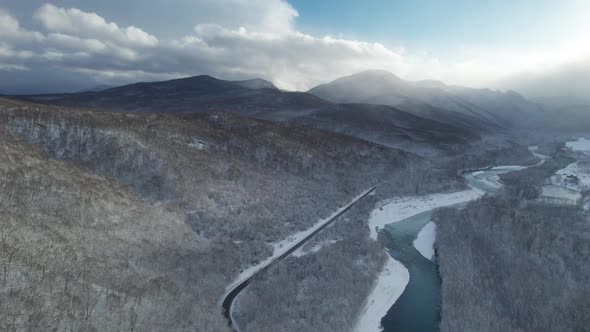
(235, 290)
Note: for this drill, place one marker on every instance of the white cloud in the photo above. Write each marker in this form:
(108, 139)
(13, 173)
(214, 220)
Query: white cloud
(10, 29)
(12, 67)
(268, 16)
(90, 25)
(236, 39)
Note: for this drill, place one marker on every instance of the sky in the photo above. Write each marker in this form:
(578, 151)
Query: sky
(538, 47)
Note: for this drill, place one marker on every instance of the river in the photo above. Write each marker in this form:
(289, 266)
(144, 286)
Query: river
(418, 307)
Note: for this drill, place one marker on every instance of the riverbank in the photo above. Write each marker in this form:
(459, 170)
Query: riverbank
(401, 208)
(390, 284)
(394, 277)
(424, 243)
(383, 298)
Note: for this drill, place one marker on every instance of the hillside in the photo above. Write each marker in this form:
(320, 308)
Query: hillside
(192, 94)
(492, 108)
(163, 201)
(382, 124)
(425, 128)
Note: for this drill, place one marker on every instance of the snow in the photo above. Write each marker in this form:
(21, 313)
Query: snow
(391, 282)
(534, 150)
(424, 243)
(561, 193)
(582, 144)
(299, 252)
(279, 248)
(509, 168)
(404, 207)
(394, 277)
(573, 169)
(489, 180)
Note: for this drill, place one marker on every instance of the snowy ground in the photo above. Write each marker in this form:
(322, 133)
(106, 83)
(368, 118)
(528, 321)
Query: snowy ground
(404, 207)
(582, 145)
(564, 176)
(489, 180)
(283, 246)
(583, 175)
(300, 252)
(561, 193)
(424, 243)
(534, 150)
(390, 285)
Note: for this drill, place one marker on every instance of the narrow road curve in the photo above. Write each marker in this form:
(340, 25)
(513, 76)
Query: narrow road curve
(233, 293)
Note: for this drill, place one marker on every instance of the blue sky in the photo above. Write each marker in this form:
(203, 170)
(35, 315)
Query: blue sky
(434, 26)
(71, 44)
(438, 27)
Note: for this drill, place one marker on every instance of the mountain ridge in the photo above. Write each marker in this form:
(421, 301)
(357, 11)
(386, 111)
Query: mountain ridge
(380, 87)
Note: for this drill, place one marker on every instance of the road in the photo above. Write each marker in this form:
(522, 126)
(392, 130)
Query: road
(233, 293)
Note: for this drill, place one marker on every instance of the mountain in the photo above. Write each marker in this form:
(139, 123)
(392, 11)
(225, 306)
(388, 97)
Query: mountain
(136, 221)
(492, 108)
(566, 112)
(382, 124)
(260, 99)
(192, 94)
(256, 83)
(96, 88)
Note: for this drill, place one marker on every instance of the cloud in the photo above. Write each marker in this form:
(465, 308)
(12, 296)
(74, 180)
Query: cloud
(9, 67)
(258, 40)
(269, 16)
(90, 25)
(291, 59)
(238, 39)
(10, 29)
(567, 79)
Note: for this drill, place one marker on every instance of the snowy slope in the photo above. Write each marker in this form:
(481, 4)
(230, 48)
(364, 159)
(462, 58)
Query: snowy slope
(424, 243)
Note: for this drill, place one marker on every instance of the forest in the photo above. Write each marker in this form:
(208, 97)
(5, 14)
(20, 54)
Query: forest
(319, 291)
(170, 209)
(511, 264)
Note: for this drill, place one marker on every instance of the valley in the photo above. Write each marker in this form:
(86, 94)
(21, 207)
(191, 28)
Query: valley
(204, 204)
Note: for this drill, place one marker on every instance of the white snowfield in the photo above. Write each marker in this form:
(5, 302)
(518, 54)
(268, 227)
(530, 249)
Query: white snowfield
(404, 207)
(582, 145)
(573, 169)
(424, 243)
(534, 150)
(391, 282)
(563, 176)
(283, 246)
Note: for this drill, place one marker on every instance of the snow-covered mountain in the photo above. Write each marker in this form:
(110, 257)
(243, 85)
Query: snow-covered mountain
(261, 99)
(495, 108)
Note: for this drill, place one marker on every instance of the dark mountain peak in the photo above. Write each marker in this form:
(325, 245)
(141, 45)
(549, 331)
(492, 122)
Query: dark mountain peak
(359, 87)
(96, 88)
(195, 79)
(200, 83)
(256, 84)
